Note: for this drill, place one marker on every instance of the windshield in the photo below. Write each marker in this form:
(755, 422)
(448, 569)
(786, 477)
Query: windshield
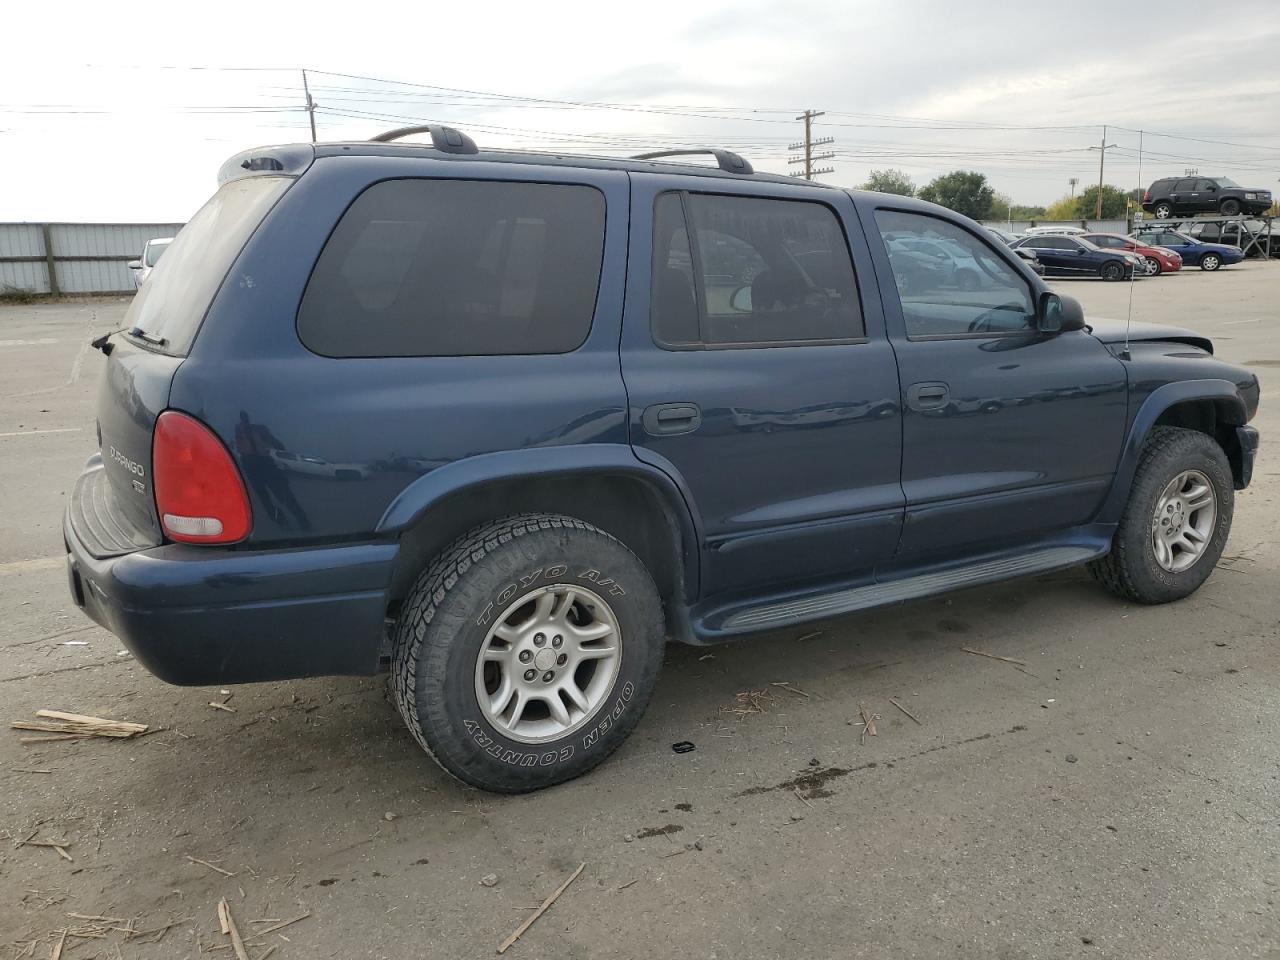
(171, 304)
(1225, 182)
(151, 255)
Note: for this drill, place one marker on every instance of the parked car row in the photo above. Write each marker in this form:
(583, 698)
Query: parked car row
(1065, 251)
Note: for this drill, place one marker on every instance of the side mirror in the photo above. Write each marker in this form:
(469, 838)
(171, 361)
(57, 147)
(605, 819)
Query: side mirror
(740, 301)
(135, 264)
(1058, 314)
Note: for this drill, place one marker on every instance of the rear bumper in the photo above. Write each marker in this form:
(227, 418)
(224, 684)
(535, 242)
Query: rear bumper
(194, 615)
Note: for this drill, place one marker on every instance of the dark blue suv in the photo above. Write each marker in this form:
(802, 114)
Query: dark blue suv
(506, 422)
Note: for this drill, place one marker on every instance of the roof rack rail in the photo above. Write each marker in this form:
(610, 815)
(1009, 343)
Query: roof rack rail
(729, 162)
(444, 139)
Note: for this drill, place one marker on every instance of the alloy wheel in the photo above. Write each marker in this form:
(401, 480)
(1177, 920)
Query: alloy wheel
(1182, 523)
(548, 663)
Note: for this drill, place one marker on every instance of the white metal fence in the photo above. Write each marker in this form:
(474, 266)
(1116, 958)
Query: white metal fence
(1093, 226)
(63, 258)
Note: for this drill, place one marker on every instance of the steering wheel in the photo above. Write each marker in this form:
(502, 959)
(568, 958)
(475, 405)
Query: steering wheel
(982, 323)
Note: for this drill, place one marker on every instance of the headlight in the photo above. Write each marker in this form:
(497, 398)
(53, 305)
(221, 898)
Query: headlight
(1251, 196)
(1132, 259)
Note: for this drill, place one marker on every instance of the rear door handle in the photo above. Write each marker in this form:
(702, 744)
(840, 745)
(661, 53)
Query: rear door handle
(928, 396)
(665, 419)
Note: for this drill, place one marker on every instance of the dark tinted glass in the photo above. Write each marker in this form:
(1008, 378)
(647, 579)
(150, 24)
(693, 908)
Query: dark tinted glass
(968, 289)
(1185, 186)
(1205, 185)
(768, 271)
(453, 267)
(673, 300)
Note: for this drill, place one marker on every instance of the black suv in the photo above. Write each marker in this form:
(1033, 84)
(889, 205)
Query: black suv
(506, 422)
(1177, 196)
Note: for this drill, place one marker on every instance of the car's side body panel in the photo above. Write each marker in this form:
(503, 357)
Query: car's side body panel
(354, 433)
(1030, 433)
(794, 464)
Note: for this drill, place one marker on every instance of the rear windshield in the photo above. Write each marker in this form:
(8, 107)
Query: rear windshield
(168, 309)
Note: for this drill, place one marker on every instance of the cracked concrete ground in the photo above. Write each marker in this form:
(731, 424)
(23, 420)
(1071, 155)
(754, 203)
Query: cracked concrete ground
(1118, 798)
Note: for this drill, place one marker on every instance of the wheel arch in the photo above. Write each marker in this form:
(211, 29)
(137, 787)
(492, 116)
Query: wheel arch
(602, 484)
(1213, 407)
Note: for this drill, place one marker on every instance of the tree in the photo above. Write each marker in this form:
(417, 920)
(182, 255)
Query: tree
(1115, 203)
(964, 191)
(1001, 207)
(890, 181)
(1064, 209)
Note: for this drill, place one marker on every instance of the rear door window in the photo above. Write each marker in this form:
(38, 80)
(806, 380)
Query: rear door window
(422, 268)
(172, 303)
(760, 272)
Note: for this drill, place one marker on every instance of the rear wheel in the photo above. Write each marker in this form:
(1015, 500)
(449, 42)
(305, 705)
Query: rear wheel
(527, 652)
(1229, 208)
(1210, 262)
(1163, 211)
(1176, 522)
(1111, 270)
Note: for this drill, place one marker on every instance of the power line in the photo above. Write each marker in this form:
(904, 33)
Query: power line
(807, 158)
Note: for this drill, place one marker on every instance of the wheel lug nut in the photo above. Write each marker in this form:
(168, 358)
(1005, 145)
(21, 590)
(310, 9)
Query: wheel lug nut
(530, 674)
(539, 639)
(557, 641)
(525, 656)
(561, 660)
(548, 676)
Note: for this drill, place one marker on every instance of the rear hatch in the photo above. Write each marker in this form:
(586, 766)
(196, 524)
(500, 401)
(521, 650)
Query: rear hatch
(113, 509)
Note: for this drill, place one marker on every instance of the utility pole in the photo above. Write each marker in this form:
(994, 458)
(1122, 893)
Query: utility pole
(809, 143)
(1073, 181)
(1102, 159)
(311, 105)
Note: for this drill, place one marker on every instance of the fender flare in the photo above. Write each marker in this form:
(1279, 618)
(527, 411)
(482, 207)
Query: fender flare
(609, 459)
(1156, 403)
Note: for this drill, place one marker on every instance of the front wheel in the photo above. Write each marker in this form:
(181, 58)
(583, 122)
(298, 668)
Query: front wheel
(1210, 262)
(1153, 267)
(527, 652)
(1176, 522)
(1230, 208)
(1112, 271)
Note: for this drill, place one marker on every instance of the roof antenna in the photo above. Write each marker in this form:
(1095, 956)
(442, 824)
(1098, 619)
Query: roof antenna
(1133, 276)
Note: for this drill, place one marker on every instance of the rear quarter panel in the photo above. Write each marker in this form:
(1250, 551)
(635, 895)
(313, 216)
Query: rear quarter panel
(353, 433)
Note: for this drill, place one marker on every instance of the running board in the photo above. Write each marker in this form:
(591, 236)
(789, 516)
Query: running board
(910, 588)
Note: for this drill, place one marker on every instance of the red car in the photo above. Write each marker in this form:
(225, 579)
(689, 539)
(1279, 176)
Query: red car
(1158, 259)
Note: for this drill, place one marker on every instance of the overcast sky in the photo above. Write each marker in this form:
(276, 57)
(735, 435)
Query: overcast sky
(103, 118)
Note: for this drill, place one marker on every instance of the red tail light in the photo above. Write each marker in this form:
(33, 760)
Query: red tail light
(199, 494)
(1146, 196)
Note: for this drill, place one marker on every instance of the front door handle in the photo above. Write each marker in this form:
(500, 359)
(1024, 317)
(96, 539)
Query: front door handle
(666, 419)
(928, 396)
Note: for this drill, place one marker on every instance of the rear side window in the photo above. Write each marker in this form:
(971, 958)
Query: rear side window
(172, 303)
(759, 272)
(441, 268)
